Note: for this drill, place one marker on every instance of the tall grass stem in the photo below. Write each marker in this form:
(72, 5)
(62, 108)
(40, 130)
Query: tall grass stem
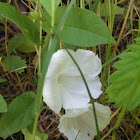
(46, 57)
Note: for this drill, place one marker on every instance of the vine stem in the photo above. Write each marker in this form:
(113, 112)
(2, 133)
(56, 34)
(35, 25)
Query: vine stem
(91, 99)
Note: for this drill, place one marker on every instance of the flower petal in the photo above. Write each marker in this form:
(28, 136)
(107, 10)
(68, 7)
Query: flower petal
(94, 85)
(76, 112)
(75, 93)
(89, 63)
(64, 84)
(103, 114)
(52, 95)
(59, 61)
(83, 126)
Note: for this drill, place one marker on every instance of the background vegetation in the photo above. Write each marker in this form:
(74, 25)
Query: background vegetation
(20, 62)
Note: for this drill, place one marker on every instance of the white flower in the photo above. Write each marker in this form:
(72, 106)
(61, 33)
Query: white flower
(79, 124)
(64, 85)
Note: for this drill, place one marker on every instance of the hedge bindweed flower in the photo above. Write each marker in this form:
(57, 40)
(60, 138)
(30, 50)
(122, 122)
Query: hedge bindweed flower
(79, 124)
(64, 85)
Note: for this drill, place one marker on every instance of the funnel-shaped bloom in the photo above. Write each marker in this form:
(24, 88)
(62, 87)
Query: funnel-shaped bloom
(64, 85)
(79, 124)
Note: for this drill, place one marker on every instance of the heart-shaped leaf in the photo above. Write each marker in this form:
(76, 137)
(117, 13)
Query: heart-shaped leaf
(82, 28)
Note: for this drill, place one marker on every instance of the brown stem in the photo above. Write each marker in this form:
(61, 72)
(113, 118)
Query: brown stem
(122, 29)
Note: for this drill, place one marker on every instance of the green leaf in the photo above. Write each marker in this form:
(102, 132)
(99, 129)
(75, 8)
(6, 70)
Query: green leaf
(122, 80)
(13, 62)
(28, 28)
(2, 80)
(68, 46)
(48, 5)
(1, 17)
(47, 27)
(28, 134)
(33, 82)
(20, 114)
(3, 106)
(20, 43)
(137, 40)
(35, 16)
(15, 42)
(26, 47)
(82, 28)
